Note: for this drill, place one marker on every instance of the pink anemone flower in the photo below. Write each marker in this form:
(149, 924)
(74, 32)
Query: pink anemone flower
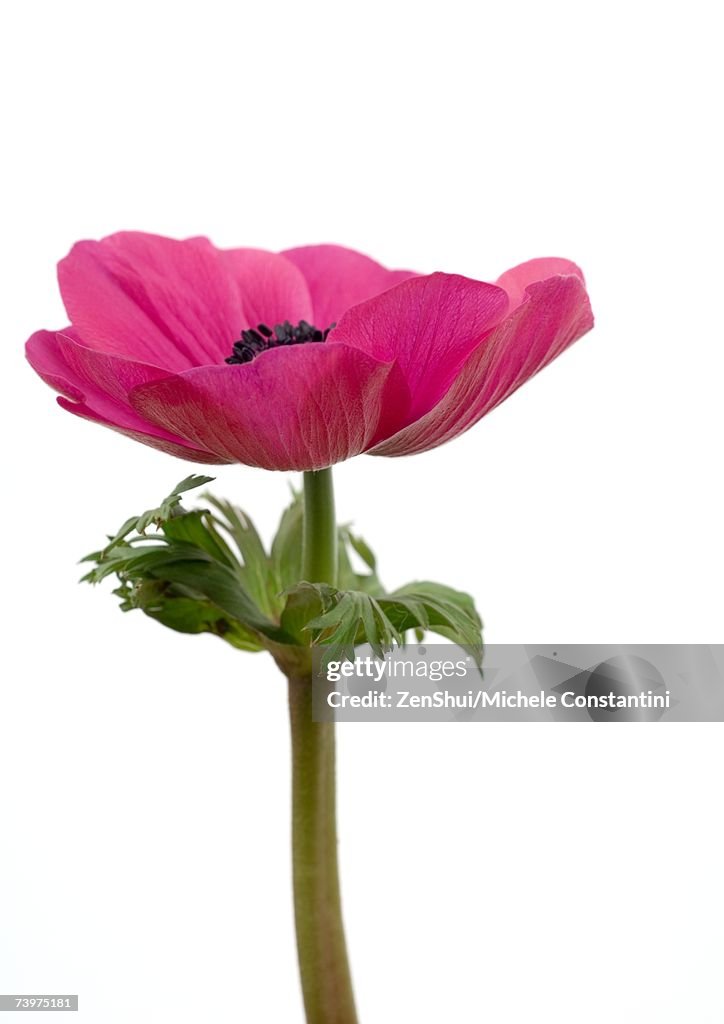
(294, 360)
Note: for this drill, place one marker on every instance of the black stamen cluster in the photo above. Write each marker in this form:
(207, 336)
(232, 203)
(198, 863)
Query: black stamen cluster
(254, 341)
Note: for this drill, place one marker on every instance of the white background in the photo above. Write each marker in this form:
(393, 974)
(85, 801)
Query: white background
(501, 874)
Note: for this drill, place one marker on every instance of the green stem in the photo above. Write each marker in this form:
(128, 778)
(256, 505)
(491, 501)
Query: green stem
(319, 546)
(325, 975)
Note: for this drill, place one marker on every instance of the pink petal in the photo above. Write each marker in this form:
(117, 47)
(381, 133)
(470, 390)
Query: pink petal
(82, 373)
(43, 353)
(175, 304)
(553, 315)
(428, 325)
(338, 278)
(95, 385)
(300, 407)
(151, 436)
(271, 288)
(516, 280)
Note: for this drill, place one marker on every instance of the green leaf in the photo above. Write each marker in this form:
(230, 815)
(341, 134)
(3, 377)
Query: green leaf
(439, 593)
(120, 559)
(158, 516)
(286, 549)
(361, 547)
(206, 571)
(189, 569)
(215, 582)
(349, 579)
(343, 619)
(353, 619)
(303, 603)
(439, 609)
(170, 505)
(189, 615)
(256, 573)
(196, 529)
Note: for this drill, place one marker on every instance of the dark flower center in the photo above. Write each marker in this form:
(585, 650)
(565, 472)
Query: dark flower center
(259, 339)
